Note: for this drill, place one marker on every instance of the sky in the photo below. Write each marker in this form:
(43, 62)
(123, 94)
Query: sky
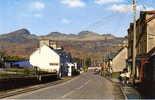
(41, 17)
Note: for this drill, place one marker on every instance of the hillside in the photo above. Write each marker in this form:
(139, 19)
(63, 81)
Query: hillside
(81, 36)
(21, 35)
(23, 43)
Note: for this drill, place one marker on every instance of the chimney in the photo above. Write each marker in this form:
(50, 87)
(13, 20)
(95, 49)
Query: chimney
(48, 42)
(44, 42)
(53, 44)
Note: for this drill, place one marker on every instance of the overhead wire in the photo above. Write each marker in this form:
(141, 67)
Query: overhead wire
(102, 21)
(99, 21)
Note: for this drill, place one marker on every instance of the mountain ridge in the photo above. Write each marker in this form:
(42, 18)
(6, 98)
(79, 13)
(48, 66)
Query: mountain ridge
(25, 34)
(23, 43)
(20, 35)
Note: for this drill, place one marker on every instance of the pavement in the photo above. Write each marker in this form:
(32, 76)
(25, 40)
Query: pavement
(86, 86)
(128, 91)
(131, 93)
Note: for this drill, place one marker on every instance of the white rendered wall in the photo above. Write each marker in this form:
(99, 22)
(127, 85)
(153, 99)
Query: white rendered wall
(43, 57)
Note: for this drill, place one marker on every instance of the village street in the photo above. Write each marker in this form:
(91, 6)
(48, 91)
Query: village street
(86, 86)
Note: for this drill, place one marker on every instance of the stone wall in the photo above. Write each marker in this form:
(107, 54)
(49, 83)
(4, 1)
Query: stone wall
(13, 83)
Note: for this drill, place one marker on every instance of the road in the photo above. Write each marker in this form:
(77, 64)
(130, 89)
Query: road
(86, 86)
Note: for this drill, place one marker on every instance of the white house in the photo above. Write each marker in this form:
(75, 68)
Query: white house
(46, 59)
(51, 58)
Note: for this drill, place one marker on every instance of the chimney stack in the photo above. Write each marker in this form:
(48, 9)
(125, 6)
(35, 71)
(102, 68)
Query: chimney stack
(49, 43)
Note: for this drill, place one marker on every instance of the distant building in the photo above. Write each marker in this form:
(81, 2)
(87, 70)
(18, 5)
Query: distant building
(94, 68)
(117, 60)
(18, 64)
(105, 66)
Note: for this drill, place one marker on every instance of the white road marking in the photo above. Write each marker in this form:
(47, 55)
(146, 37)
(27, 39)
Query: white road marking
(83, 85)
(69, 93)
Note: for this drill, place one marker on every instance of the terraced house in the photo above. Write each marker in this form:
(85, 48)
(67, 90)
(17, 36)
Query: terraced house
(145, 41)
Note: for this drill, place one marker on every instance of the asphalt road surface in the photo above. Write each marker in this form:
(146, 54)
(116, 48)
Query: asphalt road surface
(86, 86)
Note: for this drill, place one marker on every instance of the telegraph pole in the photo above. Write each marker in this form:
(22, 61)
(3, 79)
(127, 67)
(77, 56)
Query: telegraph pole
(134, 40)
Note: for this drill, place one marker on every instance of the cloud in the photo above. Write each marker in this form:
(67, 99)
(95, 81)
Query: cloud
(100, 2)
(73, 3)
(38, 5)
(66, 21)
(122, 8)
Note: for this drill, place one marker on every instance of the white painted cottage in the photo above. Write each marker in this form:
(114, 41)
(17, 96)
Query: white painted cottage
(51, 58)
(45, 59)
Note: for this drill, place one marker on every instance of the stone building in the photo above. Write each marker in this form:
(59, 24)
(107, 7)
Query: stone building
(145, 35)
(130, 41)
(145, 40)
(118, 61)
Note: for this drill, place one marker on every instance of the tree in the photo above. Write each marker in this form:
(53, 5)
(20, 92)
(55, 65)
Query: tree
(2, 58)
(88, 62)
(12, 58)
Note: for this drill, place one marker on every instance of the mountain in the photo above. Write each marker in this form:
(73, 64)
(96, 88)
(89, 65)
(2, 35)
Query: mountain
(81, 36)
(56, 34)
(21, 35)
(87, 33)
(86, 43)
